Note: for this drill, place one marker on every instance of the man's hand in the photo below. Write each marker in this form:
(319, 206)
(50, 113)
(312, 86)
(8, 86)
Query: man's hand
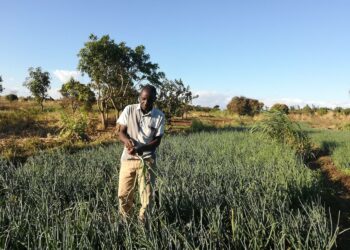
(132, 151)
(135, 150)
(128, 144)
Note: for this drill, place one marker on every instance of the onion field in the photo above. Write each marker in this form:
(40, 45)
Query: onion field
(215, 190)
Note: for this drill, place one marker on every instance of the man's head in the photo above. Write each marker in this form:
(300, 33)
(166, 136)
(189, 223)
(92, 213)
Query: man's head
(148, 96)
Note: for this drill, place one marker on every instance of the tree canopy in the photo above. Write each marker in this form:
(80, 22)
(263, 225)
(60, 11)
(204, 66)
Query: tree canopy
(280, 107)
(115, 70)
(78, 94)
(244, 106)
(174, 98)
(38, 83)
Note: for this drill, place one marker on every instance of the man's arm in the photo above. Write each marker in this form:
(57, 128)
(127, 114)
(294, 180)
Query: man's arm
(124, 137)
(152, 145)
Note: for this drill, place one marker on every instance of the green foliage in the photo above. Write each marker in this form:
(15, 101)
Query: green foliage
(279, 127)
(341, 156)
(216, 191)
(78, 94)
(307, 110)
(11, 97)
(38, 83)
(174, 98)
(115, 70)
(74, 127)
(335, 143)
(244, 106)
(280, 107)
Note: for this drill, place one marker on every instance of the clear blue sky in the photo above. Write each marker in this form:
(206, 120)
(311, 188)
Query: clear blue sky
(296, 51)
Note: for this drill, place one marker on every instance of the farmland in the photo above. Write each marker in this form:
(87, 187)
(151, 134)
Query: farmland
(215, 190)
(219, 185)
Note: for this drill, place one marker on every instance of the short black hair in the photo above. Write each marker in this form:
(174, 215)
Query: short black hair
(150, 88)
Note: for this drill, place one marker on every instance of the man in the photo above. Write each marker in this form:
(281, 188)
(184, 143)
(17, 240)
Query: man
(141, 130)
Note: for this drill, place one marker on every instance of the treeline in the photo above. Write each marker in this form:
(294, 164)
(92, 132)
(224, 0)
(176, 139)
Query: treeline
(246, 106)
(117, 73)
(249, 107)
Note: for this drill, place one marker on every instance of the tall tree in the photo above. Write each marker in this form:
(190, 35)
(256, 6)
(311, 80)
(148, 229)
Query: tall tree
(1, 88)
(38, 83)
(115, 69)
(77, 94)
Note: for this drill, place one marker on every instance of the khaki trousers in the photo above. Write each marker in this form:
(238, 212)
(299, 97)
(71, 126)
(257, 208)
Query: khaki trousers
(132, 175)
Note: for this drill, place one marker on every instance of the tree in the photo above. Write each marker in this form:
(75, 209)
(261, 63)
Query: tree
(1, 88)
(78, 94)
(115, 70)
(280, 107)
(174, 98)
(245, 106)
(307, 110)
(216, 107)
(38, 83)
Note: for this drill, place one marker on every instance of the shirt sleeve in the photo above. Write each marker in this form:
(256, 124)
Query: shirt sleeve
(161, 126)
(123, 118)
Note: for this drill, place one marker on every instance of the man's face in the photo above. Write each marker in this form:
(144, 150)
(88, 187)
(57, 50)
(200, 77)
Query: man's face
(146, 100)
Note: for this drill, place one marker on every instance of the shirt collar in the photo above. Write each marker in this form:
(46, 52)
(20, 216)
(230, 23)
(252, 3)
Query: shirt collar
(139, 108)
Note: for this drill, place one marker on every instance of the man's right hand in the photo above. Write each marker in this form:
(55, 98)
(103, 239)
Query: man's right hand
(129, 143)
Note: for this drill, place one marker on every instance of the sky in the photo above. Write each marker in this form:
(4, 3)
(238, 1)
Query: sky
(288, 51)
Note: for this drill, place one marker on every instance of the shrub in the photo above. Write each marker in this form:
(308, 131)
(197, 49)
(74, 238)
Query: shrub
(280, 107)
(74, 127)
(281, 128)
(245, 106)
(11, 97)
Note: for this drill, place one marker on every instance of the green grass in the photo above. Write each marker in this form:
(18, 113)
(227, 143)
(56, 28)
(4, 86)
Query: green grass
(216, 190)
(336, 143)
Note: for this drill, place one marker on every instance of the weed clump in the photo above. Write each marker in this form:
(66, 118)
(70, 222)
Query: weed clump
(278, 126)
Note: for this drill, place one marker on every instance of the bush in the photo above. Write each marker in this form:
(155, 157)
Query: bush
(280, 107)
(74, 127)
(245, 106)
(279, 127)
(11, 97)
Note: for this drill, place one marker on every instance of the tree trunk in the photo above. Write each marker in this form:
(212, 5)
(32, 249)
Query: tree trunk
(102, 109)
(103, 120)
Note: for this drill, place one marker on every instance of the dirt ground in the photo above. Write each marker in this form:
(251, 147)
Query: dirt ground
(337, 198)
